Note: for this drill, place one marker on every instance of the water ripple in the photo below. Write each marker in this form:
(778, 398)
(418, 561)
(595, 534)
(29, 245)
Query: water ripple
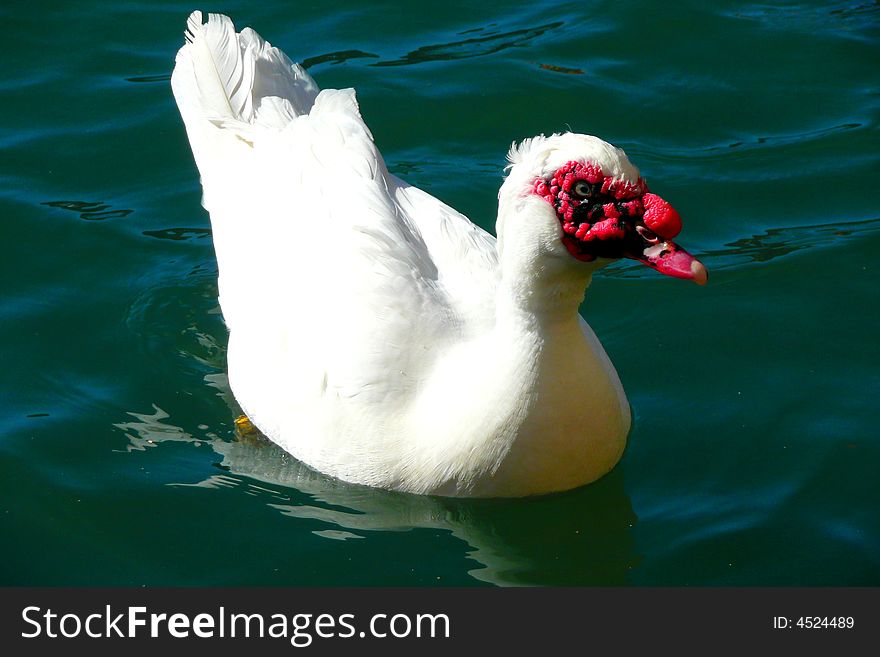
(784, 140)
(561, 69)
(89, 210)
(337, 57)
(778, 242)
(737, 147)
(178, 234)
(846, 18)
(162, 77)
(475, 47)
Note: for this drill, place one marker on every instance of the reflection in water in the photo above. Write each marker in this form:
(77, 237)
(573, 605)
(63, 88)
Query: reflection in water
(89, 210)
(583, 537)
(773, 243)
(473, 47)
(149, 429)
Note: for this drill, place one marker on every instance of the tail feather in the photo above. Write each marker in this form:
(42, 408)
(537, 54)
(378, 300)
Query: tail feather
(224, 73)
(278, 77)
(229, 75)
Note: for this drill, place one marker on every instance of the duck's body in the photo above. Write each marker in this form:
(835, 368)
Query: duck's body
(375, 333)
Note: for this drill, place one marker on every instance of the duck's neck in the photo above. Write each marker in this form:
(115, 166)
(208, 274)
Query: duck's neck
(541, 298)
(540, 282)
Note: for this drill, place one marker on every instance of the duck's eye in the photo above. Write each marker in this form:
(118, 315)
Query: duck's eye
(582, 188)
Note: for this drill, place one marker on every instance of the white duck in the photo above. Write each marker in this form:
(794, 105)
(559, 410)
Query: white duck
(377, 334)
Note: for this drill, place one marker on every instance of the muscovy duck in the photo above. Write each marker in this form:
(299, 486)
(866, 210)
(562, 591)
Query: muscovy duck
(378, 335)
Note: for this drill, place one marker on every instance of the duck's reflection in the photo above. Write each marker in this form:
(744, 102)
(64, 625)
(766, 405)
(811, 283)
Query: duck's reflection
(583, 537)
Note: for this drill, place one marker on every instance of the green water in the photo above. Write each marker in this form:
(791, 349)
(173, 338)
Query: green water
(755, 451)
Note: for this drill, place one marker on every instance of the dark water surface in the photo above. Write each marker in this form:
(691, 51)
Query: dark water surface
(755, 452)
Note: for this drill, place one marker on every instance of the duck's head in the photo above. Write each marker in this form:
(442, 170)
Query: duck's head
(577, 198)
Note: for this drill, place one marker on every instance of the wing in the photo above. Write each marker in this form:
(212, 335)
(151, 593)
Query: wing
(464, 254)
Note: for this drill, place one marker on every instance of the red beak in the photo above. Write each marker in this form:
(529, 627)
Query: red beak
(660, 223)
(669, 258)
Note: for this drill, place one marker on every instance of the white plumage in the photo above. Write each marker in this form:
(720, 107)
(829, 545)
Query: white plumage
(375, 333)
